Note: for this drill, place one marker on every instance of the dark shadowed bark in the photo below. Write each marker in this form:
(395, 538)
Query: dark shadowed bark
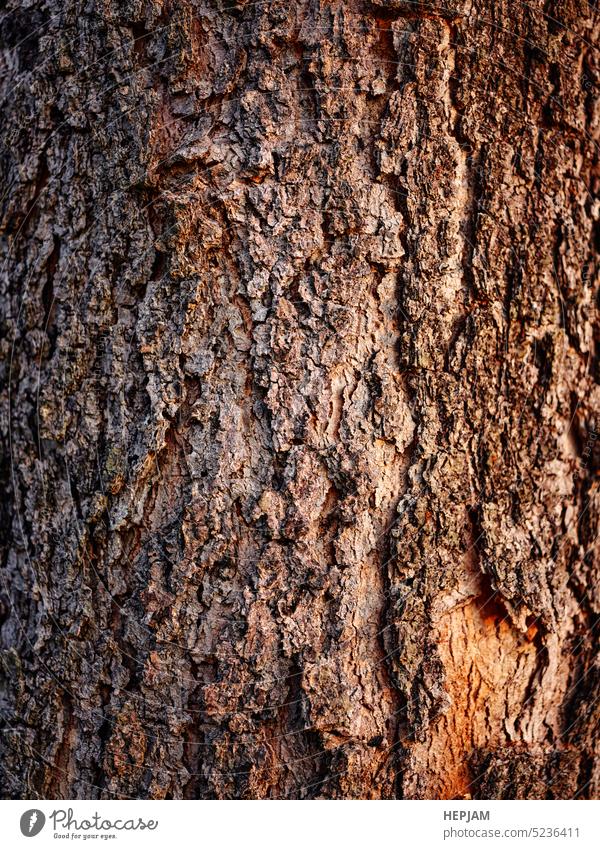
(300, 373)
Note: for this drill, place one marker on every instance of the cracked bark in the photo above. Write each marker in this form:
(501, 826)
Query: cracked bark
(300, 391)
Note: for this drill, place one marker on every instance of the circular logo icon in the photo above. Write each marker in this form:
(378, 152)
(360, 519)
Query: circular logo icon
(32, 822)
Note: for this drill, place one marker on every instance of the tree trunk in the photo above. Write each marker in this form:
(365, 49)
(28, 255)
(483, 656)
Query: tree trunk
(301, 378)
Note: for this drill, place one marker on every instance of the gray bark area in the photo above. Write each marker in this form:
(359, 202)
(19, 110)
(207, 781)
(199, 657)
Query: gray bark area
(300, 399)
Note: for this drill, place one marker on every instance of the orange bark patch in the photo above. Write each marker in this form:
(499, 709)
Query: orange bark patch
(489, 666)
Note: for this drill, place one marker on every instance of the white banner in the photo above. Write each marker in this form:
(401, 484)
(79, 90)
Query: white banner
(290, 824)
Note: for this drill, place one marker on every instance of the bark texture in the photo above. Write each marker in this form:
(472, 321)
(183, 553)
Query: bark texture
(300, 363)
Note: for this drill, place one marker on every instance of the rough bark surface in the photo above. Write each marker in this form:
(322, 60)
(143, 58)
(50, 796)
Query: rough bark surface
(300, 362)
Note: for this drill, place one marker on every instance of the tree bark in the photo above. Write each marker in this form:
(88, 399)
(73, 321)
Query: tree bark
(301, 380)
